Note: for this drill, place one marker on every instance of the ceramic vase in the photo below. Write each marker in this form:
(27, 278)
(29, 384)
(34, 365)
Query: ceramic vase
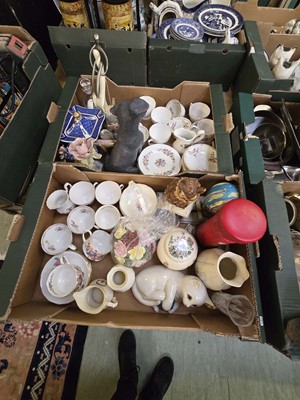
(219, 270)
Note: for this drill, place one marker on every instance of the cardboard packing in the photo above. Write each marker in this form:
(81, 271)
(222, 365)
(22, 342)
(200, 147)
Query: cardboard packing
(19, 285)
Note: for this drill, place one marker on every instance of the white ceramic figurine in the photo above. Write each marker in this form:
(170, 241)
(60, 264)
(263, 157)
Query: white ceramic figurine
(160, 287)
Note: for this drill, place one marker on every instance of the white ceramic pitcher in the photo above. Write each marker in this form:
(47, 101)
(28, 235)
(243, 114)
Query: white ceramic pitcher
(96, 297)
(219, 270)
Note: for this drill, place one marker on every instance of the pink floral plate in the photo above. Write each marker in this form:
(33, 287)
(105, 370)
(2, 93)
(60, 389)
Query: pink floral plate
(73, 258)
(159, 159)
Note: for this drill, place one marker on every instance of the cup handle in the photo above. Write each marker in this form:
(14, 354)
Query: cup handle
(96, 184)
(121, 186)
(64, 260)
(83, 235)
(72, 247)
(151, 141)
(67, 187)
(113, 303)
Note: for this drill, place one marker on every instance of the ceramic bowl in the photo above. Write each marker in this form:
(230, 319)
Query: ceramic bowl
(200, 157)
(81, 219)
(138, 200)
(177, 249)
(198, 111)
(176, 108)
(107, 217)
(161, 114)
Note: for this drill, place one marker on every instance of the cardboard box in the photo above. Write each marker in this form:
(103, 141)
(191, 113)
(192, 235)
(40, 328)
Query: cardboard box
(247, 154)
(21, 297)
(22, 138)
(255, 76)
(126, 52)
(276, 265)
(186, 92)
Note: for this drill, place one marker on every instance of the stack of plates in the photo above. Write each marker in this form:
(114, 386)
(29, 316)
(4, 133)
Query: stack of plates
(164, 29)
(186, 29)
(216, 18)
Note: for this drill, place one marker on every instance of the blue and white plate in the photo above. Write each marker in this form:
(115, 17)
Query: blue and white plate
(164, 29)
(216, 18)
(186, 29)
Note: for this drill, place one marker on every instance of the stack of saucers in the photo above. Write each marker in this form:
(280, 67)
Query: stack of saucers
(186, 29)
(164, 29)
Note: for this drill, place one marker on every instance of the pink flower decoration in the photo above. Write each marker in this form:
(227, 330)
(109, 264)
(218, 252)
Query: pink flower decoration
(81, 148)
(120, 249)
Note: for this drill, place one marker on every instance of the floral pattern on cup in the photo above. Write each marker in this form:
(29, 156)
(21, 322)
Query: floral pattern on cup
(130, 247)
(92, 253)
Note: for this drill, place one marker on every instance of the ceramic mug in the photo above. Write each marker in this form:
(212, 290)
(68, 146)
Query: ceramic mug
(82, 193)
(96, 297)
(120, 278)
(198, 111)
(159, 133)
(96, 245)
(107, 217)
(81, 219)
(56, 239)
(108, 192)
(64, 280)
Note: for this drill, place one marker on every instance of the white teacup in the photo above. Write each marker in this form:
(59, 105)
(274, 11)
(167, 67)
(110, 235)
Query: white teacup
(108, 192)
(208, 126)
(64, 280)
(159, 133)
(57, 199)
(161, 114)
(96, 297)
(176, 108)
(66, 208)
(107, 217)
(145, 131)
(96, 245)
(152, 104)
(81, 193)
(81, 219)
(198, 111)
(57, 239)
(120, 278)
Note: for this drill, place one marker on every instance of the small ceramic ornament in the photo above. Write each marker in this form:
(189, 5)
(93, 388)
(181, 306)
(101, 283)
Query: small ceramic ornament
(285, 69)
(217, 196)
(158, 286)
(129, 139)
(281, 52)
(183, 191)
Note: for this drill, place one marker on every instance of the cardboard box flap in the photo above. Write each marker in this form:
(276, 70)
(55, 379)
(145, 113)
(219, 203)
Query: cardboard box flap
(126, 52)
(19, 152)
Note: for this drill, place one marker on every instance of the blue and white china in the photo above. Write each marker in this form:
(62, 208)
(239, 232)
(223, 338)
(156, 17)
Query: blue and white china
(164, 29)
(216, 18)
(186, 29)
(217, 196)
(82, 122)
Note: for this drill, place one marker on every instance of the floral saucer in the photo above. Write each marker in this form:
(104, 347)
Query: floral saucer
(73, 258)
(200, 157)
(159, 159)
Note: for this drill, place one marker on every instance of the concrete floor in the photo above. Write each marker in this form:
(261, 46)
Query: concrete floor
(207, 367)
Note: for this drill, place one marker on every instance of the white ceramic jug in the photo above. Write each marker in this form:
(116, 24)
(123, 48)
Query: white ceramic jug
(219, 270)
(95, 297)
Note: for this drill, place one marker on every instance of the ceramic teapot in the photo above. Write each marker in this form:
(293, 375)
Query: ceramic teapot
(219, 270)
(96, 297)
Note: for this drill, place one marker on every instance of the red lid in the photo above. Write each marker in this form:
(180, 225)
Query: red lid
(243, 220)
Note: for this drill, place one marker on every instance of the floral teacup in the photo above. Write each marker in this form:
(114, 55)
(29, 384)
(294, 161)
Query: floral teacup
(56, 239)
(96, 245)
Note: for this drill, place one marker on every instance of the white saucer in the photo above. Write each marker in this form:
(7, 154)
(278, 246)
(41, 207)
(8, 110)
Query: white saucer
(73, 258)
(159, 159)
(200, 157)
(138, 200)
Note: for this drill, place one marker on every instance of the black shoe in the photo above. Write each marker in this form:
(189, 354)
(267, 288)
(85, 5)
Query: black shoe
(127, 357)
(160, 380)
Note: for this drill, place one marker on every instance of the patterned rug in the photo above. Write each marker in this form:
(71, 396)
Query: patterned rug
(40, 360)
